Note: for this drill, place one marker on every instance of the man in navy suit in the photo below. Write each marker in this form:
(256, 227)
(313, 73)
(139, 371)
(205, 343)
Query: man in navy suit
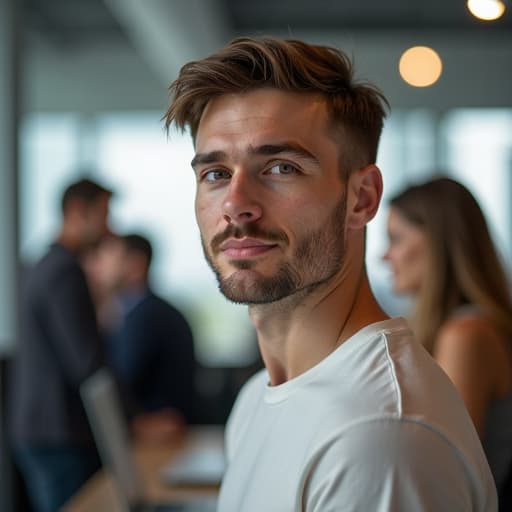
(149, 343)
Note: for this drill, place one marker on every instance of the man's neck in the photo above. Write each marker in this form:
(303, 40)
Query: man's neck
(296, 334)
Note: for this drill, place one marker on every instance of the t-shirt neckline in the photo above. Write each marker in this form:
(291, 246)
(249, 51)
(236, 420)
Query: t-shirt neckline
(281, 392)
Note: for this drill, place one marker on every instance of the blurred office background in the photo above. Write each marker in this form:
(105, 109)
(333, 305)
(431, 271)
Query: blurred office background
(83, 85)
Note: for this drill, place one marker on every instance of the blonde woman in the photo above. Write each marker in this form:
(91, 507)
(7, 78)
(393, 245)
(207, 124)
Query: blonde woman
(441, 253)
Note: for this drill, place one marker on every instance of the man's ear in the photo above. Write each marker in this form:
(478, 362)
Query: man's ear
(364, 194)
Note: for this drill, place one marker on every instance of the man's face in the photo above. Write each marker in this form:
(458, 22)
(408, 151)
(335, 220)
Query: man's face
(95, 218)
(270, 201)
(110, 264)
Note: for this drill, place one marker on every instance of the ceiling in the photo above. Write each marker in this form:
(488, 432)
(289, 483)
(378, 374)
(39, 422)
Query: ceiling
(380, 15)
(90, 55)
(79, 21)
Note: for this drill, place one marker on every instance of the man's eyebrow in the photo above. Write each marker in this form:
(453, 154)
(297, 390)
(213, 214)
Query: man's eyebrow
(286, 147)
(207, 158)
(264, 150)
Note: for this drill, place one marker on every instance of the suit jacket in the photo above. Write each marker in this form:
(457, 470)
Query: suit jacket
(60, 345)
(152, 354)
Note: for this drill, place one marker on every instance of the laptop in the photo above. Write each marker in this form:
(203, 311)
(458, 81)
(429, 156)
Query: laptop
(102, 404)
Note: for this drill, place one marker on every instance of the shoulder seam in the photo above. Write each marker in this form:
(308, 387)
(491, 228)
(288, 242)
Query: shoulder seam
(394, 377)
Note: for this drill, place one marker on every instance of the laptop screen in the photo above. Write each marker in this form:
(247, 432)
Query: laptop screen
(110, 430)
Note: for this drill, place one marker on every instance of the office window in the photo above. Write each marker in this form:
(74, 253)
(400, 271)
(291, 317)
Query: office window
(48, 157)
(479, 150)
(155, 191)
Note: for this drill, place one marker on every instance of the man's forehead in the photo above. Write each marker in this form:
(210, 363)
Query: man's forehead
(265, 108)
(263, 100)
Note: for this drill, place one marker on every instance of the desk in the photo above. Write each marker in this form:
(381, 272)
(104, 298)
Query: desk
(99, 493)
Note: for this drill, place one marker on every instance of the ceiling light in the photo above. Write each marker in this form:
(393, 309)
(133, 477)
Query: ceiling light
(486, 9)
(420, 66)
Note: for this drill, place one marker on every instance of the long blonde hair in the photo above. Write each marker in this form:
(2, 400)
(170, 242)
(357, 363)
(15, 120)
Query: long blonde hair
(463, 264)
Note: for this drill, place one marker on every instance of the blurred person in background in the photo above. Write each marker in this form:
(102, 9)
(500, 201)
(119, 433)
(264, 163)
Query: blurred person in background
(441, 252)
(149, 343)
(59, 347)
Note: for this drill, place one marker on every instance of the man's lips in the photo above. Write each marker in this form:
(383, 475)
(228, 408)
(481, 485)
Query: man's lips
(245, 248)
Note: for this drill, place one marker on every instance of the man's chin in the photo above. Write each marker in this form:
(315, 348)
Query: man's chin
(248, 287)
(241, 289)
(246, 299)
(243, 264)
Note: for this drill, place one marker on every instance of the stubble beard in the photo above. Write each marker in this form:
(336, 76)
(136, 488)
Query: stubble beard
(319, 256)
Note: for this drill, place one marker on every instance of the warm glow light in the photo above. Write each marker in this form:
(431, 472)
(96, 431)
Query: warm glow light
(420, 66)
(486, 9)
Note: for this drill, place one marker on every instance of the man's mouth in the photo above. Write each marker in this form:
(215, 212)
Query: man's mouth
(245, 248)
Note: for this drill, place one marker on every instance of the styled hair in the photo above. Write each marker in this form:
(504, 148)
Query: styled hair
(84, 190)
(137, 243)
(246, 64)
(463, 264)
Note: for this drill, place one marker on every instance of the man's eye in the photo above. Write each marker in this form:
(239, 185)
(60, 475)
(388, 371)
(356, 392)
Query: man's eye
(215, 175)
(283, 168)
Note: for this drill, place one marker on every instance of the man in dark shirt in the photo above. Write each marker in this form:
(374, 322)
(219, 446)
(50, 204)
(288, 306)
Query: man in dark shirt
(59, 347)
(150, 346)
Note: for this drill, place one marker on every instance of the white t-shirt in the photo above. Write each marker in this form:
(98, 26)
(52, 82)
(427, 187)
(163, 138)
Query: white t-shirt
(375, 426)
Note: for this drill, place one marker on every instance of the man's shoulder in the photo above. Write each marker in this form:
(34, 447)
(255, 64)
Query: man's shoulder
(154, 301)
(53, 268)
(254, 387)
(257, 381)
(400, 377)
(158, 311)
(149, 299)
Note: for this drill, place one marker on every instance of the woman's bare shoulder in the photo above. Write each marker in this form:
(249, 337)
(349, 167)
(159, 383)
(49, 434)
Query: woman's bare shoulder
(473, 342)
(471, 329)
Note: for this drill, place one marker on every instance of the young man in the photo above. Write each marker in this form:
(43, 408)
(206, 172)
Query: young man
(351, 413)
(59, 347)
(150, 346)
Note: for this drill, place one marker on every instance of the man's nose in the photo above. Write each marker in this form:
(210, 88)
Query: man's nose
(241, 204)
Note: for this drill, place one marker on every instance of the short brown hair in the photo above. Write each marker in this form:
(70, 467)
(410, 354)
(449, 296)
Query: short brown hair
(135, 242)
(85, 190)
(246, 64)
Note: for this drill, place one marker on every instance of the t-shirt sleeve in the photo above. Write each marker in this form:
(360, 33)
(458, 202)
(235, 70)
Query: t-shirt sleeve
(393, 465)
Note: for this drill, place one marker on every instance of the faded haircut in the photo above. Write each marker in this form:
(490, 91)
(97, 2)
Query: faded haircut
(85, 190)
(357, 109)
(135, 242)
